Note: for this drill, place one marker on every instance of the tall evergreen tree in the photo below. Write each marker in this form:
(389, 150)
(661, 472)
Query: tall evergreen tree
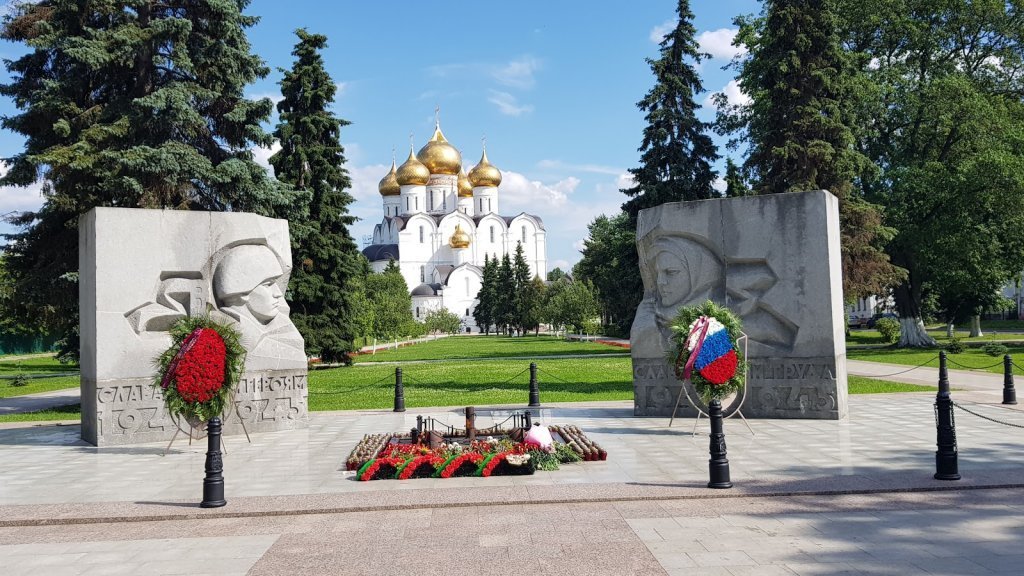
(131, 104)
(735, 183)
(504, 297)
(523, 296)
(323, 283)
(805, 98)
(676, 153)
(483, 313)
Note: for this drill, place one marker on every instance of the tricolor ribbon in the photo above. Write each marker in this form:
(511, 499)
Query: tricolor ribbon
(701, 325)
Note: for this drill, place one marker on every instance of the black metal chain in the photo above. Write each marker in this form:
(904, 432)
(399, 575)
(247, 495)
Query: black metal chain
(987, 418)
(563, 380)
(951, 361)
(926, 362)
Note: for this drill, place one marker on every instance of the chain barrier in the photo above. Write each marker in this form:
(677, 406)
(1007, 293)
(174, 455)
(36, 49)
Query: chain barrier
(1017, 367)
(988, 418)
(356, 389)
(545, 372)
(951, 361)
(929, 361)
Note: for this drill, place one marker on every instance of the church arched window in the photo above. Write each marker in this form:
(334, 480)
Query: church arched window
(421, 234)
(492, 234)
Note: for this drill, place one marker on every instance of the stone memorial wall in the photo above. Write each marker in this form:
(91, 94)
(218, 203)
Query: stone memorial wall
(774, 260)
(141, 271)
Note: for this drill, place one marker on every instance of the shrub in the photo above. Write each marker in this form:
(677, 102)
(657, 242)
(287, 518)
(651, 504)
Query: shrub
(889, 328)
(20, 380)
(954, 346)
(994, 349)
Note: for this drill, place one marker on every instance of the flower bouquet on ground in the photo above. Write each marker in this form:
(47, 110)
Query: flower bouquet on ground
(707, 351)
(200, 369)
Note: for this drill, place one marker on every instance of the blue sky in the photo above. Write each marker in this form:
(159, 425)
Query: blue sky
(552, 85)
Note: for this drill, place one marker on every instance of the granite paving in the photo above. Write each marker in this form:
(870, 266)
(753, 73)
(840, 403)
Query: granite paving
(852, 496)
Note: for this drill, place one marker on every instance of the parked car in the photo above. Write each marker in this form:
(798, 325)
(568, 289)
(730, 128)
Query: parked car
(874, 319)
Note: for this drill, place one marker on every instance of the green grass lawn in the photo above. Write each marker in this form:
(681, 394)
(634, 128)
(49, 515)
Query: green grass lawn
(35, 365)
(37, 385)
(69, 412)
(472, 383)
(970, 358)
(458, 347)
(864, 336)
(862, 385)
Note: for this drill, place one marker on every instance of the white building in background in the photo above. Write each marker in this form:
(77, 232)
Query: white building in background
(440, 222)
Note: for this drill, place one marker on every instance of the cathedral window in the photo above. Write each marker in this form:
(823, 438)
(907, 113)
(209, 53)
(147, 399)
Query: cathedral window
(421, 234)
(430, 205)
(416, 203)
(492, 234)
(524, 234)
(423, 273)
(417, 311)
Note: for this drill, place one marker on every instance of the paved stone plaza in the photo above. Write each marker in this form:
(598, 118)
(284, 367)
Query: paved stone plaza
(811, 497)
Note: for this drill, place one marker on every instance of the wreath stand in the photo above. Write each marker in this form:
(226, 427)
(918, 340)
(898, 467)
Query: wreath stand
(700, 412)
(177, 424)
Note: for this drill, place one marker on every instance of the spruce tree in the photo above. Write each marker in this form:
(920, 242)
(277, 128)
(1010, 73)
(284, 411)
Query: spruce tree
(676, 153)
(483, 313)
(805, 98)
(735, 183)
(504, 298)
(324, 279)
(131, 104)
(523, 297)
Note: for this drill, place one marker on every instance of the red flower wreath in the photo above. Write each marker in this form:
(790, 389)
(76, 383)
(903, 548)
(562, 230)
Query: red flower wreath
(454, 465)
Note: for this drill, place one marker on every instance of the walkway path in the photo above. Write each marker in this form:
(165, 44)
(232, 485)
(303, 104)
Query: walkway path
(811, 497)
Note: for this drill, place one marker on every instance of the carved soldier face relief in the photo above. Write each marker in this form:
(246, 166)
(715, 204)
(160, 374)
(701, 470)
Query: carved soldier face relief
(266, 301)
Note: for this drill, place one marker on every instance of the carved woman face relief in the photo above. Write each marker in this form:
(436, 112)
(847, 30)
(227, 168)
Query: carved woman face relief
(673, 278)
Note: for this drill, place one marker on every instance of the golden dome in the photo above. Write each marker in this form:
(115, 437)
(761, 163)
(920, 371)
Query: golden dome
(412, 171)
(389, 185)
(465, 186)
(459, 239)
(439, 156)
(485, 174)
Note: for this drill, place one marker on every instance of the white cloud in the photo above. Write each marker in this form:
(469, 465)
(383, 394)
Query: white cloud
(718, 43)
(595, 168)
(19, 198)
(625, 180)
(520, 194)
(719, 184)
(517, 73)
(733, 93)
(563, 264)
(340, 88)
(507, 104)
(658, 32)
(579, 245)
(275, 97)
(262, 155)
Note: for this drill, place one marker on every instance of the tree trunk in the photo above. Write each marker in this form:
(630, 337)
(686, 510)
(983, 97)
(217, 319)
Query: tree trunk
(976, 326)
(912, 332)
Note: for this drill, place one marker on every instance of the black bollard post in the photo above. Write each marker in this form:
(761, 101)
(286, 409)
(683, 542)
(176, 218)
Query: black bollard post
(719, 463)
(534, 387)
(399, 392)
(213, 483)
(470, 423)
(946, 455)
(1009, 393)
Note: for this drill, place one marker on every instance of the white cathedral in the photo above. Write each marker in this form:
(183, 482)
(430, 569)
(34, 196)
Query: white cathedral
(439, 223)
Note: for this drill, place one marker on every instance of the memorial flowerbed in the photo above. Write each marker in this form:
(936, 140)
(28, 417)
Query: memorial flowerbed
(511, 453)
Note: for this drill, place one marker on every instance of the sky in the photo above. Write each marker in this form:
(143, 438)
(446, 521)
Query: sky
(552, 86)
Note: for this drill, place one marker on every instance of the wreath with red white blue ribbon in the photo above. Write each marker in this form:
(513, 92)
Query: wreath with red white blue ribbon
(707, 350)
